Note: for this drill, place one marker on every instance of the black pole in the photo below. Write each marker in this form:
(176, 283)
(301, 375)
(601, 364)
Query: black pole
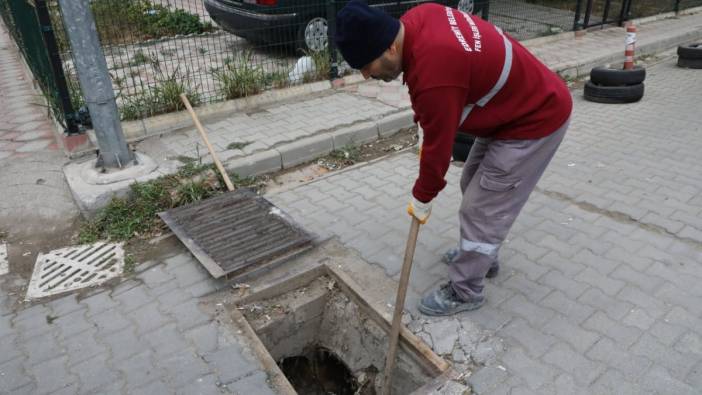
(677, 7)
(576, 21)
(59, 77)
(485, 12)
(588, 13)
(605, 14)
(331, 44)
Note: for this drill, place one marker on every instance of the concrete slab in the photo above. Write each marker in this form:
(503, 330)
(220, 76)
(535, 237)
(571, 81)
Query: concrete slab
(305, 150)
(392, 123)
(355, 135)
(92, 190)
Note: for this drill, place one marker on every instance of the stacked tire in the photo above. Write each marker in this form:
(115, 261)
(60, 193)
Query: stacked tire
(608, 85)
(690, 56)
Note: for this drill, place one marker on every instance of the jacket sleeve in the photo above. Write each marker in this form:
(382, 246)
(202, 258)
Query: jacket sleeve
(438, 110)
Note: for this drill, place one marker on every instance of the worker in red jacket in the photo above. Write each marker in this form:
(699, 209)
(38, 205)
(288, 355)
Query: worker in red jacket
(465, 75)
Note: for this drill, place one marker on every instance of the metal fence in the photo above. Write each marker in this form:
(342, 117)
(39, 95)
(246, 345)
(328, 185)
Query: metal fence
(215, 50)
(31, 29)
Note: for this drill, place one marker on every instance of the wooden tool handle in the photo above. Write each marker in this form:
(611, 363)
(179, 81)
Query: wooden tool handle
(200, 129)
(400, 304)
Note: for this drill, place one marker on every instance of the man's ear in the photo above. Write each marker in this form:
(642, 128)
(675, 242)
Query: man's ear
(392, 50)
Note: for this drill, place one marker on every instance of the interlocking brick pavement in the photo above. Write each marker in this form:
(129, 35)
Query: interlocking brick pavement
(597, 292)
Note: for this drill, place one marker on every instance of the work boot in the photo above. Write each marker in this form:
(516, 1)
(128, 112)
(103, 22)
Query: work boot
(451, 254)
(445, 301)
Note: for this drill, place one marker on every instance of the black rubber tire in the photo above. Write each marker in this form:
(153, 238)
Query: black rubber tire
(461, 146)
(617, 77)
(690, 63)
(613, 94)
(690, 51)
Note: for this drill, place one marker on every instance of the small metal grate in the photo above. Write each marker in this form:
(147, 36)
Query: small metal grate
(4, 263)
(235, 232)
(72, 268)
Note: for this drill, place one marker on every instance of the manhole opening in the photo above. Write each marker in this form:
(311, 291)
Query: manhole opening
(320, 336)
(320, 372)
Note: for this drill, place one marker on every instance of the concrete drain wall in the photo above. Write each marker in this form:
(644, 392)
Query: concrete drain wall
(328, 313)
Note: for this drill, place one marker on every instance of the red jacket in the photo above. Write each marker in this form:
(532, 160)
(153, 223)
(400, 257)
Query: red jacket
(452, 59)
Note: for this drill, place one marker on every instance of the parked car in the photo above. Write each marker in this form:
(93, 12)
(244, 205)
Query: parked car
(300, 24)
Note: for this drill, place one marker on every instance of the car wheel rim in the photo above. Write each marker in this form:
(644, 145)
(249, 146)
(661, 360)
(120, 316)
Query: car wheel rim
(316, 34)
(465, 6)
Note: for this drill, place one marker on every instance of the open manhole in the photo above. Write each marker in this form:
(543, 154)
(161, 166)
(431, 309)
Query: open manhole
(318, 331)
(72, 268)
(236, 233)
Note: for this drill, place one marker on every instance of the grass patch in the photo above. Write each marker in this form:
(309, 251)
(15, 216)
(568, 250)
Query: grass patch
(136, 216)
(240, 77)
(139, 58)
(129, 264)
(163, 97)
(131, 21)
(238, 144)
(322, 66)
(340, 158)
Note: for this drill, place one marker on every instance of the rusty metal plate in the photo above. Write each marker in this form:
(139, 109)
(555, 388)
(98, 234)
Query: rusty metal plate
(236, 232)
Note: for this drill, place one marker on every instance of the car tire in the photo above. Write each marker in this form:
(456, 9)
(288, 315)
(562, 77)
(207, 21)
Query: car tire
(617, 77)
(613, 94)
(312, 35)
(690, 63)
(690, 51)
(461, 147)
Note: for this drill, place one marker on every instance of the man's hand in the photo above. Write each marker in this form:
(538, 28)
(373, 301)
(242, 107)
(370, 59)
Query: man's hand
(419, 210)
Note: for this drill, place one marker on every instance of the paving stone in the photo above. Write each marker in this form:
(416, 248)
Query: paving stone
(65, 305)
(613, 382)
(256, 383)
(556, 280)
(9, 348)
(229, 364)
(82, 346)
(72, 324)
(155, 276)
(532, 371)
(93, 374)
(153, 388)
(532, 290)
(204, 337)
(612, 354)
(188, 315)
(535, 342)
(183, 368)
(110, 321)
(647, 283)
(689, 343)
(208, 385)
(123, 344)
(678, 365)
(578, 338)
(444, 333)
(13, 376)
(51, 375)
(582, 369)
(666, 333)
(638, 318)
(573, 310)
(98, 303)
(660, 380)
(149, 318)
(138, 370)
(536, 315)
(623, 335)
(653, 306)
(614, 308)
(487, 378)
(133, 298)
(167, 340)
(41, 348)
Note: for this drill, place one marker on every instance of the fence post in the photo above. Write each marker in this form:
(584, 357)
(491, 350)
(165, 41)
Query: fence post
(95, 83)
(331, 43)
(56, 66)
(677, 7)
(576, 22)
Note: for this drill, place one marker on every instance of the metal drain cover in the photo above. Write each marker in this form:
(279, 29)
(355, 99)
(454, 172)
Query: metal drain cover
(71, 268)
(236, 232)
(4, 264)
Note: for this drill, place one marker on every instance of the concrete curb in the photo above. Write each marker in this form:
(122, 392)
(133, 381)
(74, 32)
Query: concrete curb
(312, 147)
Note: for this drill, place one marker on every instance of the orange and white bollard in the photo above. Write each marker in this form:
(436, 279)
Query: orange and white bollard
(630, 47)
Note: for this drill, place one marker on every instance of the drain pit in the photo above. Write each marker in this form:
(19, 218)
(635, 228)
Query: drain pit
(320, 372)
(326, 339)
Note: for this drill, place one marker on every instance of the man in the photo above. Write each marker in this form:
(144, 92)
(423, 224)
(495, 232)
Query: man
(467, 76)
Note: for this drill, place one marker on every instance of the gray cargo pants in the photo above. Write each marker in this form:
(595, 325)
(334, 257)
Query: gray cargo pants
(497, 179)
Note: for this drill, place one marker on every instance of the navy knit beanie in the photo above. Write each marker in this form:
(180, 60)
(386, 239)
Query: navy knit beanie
(364, 33)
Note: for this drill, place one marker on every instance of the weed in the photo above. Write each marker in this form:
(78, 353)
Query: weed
(162, 98)
(202, 50)
(50, 319)
(322, 65)
(349, 153)
(129, 264)
(239, 78)
(277, 79)
(129, 21)
(139, 58)
(136, 215)
(238, 144)
(168, 52)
